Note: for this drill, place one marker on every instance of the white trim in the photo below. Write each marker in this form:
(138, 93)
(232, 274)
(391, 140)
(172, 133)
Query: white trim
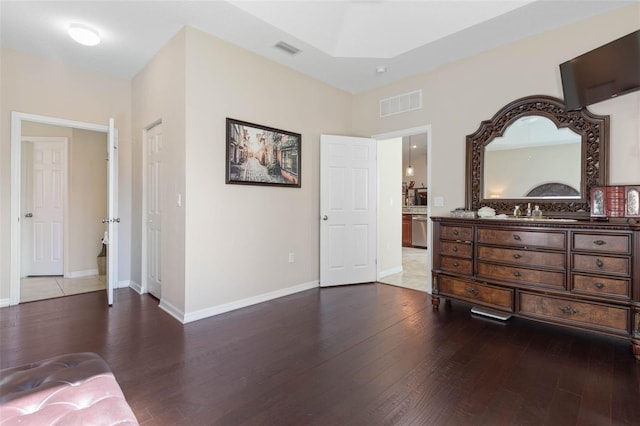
(243, 303)
(124, 284)
(172, 310)
(16, 170)
(408, 132)
(388, 272)
(80, 274)
(134, 286)
(4, 303)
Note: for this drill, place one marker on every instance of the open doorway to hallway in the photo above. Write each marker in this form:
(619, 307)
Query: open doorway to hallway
(403, 209)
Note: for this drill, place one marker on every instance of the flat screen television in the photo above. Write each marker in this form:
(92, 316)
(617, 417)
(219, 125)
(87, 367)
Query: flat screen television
(605, 72)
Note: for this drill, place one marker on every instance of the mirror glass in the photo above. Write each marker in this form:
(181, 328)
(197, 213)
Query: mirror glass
(533, 159)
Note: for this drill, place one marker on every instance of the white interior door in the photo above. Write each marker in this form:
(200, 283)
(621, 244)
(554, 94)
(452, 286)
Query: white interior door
(113, 220)
(154, 148)
(44, 210)
(348, 210)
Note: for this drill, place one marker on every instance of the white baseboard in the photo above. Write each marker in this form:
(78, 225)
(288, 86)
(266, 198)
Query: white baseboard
(172, 310)
(391, 271)
(220, 309)
(4, 303)
(135, 286)
(80, 274)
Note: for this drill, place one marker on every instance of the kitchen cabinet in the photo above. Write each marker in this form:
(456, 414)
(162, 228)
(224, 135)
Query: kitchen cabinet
(406, 230)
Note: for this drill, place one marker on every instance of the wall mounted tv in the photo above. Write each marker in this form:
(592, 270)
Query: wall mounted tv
(606, 72)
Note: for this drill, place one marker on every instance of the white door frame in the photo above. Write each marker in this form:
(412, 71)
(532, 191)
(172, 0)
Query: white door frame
(65, 203)
(409, 132)
(16, 169)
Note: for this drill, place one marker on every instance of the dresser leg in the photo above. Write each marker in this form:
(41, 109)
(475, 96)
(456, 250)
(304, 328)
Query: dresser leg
(435, 302)
(636, 349)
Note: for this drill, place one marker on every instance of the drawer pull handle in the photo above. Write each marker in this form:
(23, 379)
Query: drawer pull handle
(456, 264)
(473, 291)
(516, 237)
(599, 285)
(456, 232)
(454, 248)
(517, 256)
(569, 310)
(599, 242)
(599, 263)
(516, 274)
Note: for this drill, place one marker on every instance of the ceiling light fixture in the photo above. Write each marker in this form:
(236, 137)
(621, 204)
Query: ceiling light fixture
(381, 69)
(409, 171)
(84, 35)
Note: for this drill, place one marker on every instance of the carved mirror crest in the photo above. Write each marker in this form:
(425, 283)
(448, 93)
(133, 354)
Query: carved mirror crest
(535, 151)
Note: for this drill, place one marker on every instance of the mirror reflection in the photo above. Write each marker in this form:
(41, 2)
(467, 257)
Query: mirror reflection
(533, 159)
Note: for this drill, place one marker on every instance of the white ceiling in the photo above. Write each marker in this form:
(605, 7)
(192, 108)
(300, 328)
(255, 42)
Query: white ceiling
(341, 42)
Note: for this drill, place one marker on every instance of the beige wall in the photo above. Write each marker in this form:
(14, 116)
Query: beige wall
(237, 236)
(458, 96)
(159, 94)
(31, 84)
(390, 206)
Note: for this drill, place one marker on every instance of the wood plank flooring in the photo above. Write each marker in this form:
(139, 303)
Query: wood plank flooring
(356, 355)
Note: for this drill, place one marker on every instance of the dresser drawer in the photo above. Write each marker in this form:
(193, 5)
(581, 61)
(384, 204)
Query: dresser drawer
(593, 315)
(456, 264)
(522, 275)
(480, 294)
(599, 286)
(602, 264)
(460, 249)
(617, 243)
(462, 233)
(516, 237)
(522, 257)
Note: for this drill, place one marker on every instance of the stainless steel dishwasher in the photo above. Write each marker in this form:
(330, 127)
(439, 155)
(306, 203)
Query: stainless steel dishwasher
(419, 230)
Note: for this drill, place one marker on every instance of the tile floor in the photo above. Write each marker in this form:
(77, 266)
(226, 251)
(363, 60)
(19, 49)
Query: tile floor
(414, 270)
(39, 288)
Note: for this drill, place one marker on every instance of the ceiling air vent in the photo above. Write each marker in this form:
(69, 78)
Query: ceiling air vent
(286, 47)
(401, 103)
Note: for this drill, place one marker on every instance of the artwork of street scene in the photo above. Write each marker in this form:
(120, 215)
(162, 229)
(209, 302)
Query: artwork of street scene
(262, 155)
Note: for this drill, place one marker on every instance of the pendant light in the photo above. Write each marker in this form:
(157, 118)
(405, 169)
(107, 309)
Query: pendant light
(409, 171)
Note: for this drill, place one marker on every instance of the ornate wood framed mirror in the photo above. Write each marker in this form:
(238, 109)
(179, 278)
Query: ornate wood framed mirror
(535, 151)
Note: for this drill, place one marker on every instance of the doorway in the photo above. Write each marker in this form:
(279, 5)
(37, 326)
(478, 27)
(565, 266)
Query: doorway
(69, 221)
(63, 200)
(407, 266)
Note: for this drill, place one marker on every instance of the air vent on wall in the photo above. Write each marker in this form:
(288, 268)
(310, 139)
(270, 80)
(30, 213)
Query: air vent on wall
(401, 103)
(286, 47)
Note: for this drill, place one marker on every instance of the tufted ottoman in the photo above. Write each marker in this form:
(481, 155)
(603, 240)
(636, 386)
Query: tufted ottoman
(71, 389)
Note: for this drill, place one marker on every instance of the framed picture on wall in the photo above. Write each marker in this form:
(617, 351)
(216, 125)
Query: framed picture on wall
(632, 198)
(261, 155)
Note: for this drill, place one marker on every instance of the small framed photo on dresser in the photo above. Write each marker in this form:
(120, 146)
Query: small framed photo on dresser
(632, 204)
(598, 201)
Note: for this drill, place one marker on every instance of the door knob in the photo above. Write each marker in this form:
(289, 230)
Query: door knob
(325, 217)
(28, 215)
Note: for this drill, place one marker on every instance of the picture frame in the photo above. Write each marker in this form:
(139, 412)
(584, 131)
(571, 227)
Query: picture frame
(262, 155)
(598, 202)
(632, 200)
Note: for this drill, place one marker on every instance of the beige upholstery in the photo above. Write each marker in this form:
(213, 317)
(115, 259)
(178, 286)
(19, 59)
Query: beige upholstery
(71, 389)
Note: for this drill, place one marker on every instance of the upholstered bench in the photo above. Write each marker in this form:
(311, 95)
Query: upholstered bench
(71, 389)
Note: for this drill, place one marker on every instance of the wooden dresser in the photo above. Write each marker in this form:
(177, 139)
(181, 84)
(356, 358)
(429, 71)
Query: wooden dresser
(573, 273)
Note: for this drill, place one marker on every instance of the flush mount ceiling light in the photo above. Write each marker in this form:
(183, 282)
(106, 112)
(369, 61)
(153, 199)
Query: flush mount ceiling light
(381, 69)
(84, 35)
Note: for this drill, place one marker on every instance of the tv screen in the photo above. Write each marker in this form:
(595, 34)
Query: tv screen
(608, 71)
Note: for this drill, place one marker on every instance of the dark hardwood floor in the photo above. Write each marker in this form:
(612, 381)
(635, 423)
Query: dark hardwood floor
(355, 355)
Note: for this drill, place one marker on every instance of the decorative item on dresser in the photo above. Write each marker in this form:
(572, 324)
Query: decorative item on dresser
(574, 273)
